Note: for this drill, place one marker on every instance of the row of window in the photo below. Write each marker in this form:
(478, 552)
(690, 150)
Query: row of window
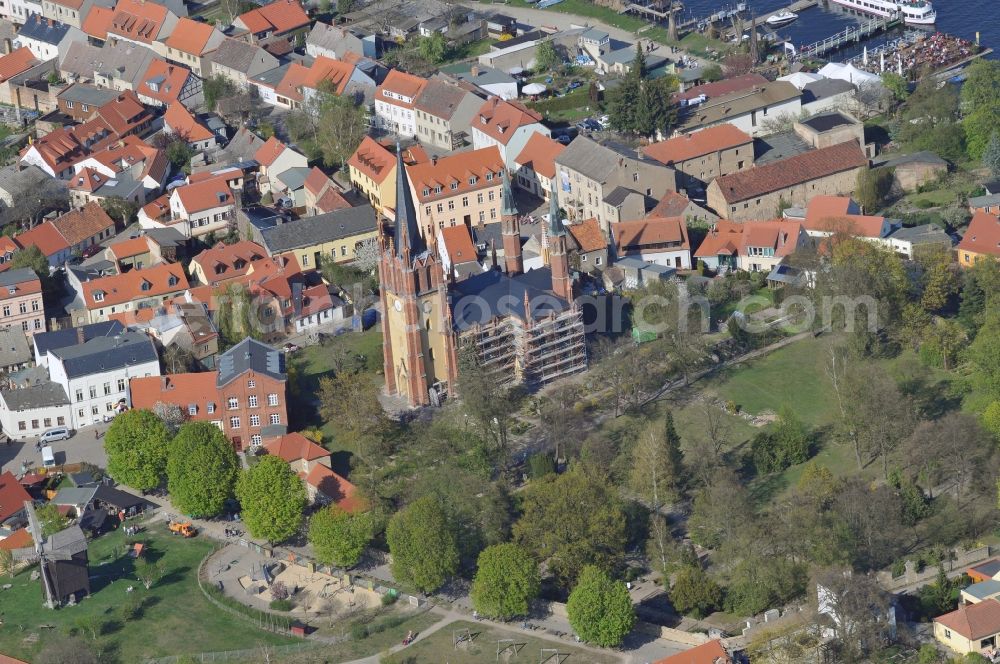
(23, 424)
(107, 390)
(235, 423)
(37, 325)
(36, 305)
(473, 180)
(233, 403)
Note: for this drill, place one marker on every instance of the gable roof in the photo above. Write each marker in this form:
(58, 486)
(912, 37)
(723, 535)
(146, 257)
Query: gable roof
(97, 21)
(269, 152)
(116, 59)
(77, 226)
(105, 353)
(372, 159)
(788, 172)
(499, 119)
(341, 492)
(12, 496)
(152, 281)
(588, 235)
(169, 81)
(190, 36)
(539, 154)
(45, 237)
(184, 124)
(673, 204)
(316, 181)
(298, 77)
(707, 653)
(485, 164)
(250, 355)
(595, 160)
(983, 235)
(239, 55)
(637, 234)
(723, 87)
(16, 62)
(205, 194)
(735, 104)
(696, 144)
(138, 20)
(46, 30)
(401, 83)
(46, 341)
(829, 213)
(730, 238)
(458, 243)
(234, 260)
(294, 447)
(279, 16)
(309, 231)
(330, 37)
(974, 621)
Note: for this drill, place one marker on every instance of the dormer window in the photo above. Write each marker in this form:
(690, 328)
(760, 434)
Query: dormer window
(98, 296)
(239, 263)
(11, 290)
(426, 191)
(437, 189)
(473, 180)
(454, 185)
(489, 176)
(172, 281)
(146, 286)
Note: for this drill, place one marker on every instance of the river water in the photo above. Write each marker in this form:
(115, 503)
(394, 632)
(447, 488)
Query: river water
(957, 17)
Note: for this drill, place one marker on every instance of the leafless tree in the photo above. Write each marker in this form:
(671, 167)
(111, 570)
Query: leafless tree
(367, 255)
(858, 609)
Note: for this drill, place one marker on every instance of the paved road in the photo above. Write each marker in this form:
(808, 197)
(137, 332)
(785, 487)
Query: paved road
(84, 446)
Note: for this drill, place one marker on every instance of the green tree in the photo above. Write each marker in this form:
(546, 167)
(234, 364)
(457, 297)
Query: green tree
(31, 257)
(600, 609)
(786, 445)
(7, 563)
(979, 94)
(929, 121)
(339, 537)
(991, 419)
(991, 155)
(179, 152)
(873, 187)
(590, 518)
(272, 498)
(50, 519)
(422, 544)
(136, 444)
(351, 399)
(506, 581)
(433, 49)
(546, 57)
(201, 470)
(712, 73)
(896, 85)
(694, 593)
(215, 88)
(658, 463)
(345, 6)
(983, 355)
(119, 208)
(328, 126)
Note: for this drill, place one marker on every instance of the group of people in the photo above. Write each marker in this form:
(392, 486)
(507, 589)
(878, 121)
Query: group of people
(937, 51)
(233, 532)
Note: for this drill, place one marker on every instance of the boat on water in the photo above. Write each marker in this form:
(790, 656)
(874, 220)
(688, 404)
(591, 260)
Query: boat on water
(782, 18)
(915, 12)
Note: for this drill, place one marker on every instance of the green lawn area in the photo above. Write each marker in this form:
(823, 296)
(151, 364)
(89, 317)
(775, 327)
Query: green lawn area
(590, 10)
(792, 376)
(379, 642)
(570, 107)
(213, 13)
(175, 618)
(440, 648)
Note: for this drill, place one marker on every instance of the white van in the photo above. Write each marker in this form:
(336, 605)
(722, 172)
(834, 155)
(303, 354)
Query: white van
(54, 435)
(48, 459)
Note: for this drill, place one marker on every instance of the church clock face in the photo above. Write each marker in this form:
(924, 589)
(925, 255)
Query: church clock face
(398, 305)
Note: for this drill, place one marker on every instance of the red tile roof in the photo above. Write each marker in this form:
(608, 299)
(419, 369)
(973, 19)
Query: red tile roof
(785, 173)
(673, 204)
(343, 494)
(331, 200)
(372, 159)
(169, 80)
(183, 123)
(8, 247)
(77, 226)
(31, 284)
(184, 388)
(205, 194)
(696, 144)
(401, 83)
(229, 261)
(15, 62)
(983, 235)
(731, 238)
(269, 152)
(152, 281)
(123, 114)
(98, 21)
(974, 621)
(45, 237)
(723, 87)
(539, 154)
(138, 20)
(834, 214)
(132, 247)
(19, 539)
(278, 17)
(317, 181)
(458, 243)
(12, 496)
(485, 165)
(707, 653)
(588, 235)
(499, 119)
(294, 446)
(190, 36)
(646, 233)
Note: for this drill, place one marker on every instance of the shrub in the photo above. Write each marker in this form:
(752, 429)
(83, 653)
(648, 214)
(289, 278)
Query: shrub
(359, 631)
(923, 203)
(389, 599)
(279, 590)
(540, 465)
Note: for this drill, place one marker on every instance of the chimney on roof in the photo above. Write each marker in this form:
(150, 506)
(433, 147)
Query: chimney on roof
(79, 335)
(434, 160)
(474, 72)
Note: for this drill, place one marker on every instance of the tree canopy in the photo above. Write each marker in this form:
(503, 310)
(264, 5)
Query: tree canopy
(339, 537)
(422, 544)
(506, 581)
(272, 498)
(202, 468)
(136, 444)
(600, 609)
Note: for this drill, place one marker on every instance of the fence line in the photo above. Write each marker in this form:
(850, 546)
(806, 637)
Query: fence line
(242, 655)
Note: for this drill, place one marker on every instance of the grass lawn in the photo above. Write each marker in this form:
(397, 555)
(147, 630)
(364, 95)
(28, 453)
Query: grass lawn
(590, 10)
(376, 643)
(176, 617)
(793, 376)
(571, 107)
(439, 648)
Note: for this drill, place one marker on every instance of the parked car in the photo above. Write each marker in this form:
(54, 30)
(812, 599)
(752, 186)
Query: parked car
(564, 139)
(54, 435)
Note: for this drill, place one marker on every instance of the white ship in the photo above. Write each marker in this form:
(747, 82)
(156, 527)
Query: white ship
(915, 12)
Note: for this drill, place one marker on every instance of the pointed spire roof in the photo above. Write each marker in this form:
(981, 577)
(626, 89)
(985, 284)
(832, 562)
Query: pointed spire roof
(407, 235)
(508, 208)
(555, 223)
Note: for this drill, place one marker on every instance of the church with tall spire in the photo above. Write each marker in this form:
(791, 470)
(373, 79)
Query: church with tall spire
(526, 327)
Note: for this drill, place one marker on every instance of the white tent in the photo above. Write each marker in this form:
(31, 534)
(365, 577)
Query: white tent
(533, 89)
(800, 79)
(848, 73)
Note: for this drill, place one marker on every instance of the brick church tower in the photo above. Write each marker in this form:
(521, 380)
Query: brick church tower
(510, 229)
(557, 255)
(418, 339)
